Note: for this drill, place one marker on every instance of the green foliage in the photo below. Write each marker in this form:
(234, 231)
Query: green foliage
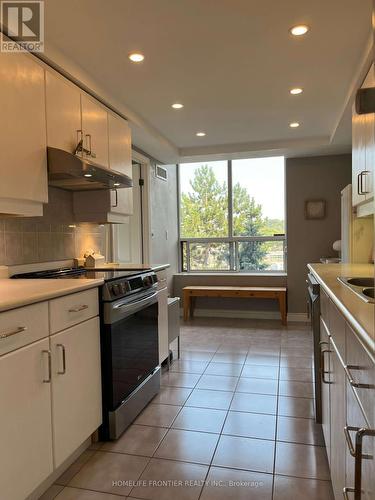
(204, 214)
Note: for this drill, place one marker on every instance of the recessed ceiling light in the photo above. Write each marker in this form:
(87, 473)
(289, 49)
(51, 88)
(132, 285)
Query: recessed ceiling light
(116, 183)
(87, 175)
(200, 134)
(296, 91)
(177, 105)
(299, 30)
(294, 125)
(136, 57)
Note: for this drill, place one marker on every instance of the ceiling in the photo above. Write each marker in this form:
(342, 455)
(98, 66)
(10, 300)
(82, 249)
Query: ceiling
(230, 62)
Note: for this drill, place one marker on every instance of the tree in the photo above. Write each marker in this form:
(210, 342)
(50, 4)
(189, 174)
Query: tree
(204, 214)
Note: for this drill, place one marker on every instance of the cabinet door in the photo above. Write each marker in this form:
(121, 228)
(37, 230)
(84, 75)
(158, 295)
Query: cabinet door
(25, 430)
(370, 154)
(358, 156)
(163, 324)
(120, 159)
(95, 129)
(63, 105)
(338, 422)
(325, 381)
(23, 166)
(76, 387)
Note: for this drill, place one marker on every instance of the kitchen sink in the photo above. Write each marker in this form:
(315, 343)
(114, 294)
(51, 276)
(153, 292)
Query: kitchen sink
(363, 287)
(369, 292)
(368, 282)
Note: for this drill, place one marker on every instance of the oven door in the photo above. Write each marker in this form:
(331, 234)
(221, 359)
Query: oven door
(130, 349)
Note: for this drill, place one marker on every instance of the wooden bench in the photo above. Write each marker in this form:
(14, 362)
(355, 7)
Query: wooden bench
(256, 292)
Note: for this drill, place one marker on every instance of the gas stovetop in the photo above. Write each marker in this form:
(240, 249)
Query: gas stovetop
(117, 284)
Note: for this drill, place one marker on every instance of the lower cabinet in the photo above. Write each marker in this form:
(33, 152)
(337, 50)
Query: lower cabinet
(163, 324)
(26, 427)
(338, 421)
(76, 387)
(325, 392)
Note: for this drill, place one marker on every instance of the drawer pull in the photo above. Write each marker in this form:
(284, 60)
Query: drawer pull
(13, 332)
(352, 382)
(48, 380)
(78, 308)
(63, 371)
(347, 490)
(322, 369)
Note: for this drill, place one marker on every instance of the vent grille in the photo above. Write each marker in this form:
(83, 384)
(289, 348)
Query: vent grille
(161, 172)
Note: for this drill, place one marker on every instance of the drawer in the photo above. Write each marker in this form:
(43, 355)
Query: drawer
(324, 306)
(23, 326)
(71, 309)
(362, 371)
(337, 329)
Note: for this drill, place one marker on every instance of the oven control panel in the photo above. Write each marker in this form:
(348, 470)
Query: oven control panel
(121, 287)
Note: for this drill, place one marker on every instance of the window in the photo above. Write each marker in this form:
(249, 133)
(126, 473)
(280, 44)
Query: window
(232, 215)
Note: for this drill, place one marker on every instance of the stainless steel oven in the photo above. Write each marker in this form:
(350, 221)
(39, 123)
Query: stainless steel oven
(313, 307)
(130, 351)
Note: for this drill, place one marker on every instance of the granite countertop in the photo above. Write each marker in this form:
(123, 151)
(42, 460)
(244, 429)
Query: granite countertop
(359, 314)
(18, 293)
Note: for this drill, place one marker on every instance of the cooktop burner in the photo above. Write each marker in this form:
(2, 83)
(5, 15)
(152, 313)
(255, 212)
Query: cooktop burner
(79, 272)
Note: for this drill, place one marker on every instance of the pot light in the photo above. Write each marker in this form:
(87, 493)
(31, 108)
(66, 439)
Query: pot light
(116, 184)
(177, 105)
(136, 57)
(296, 91)
(294, 125)
(299, 30)
(200, 134)
(87, 175)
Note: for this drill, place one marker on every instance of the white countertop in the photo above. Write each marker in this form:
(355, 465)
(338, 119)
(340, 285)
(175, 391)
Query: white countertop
(18, 293)
(359, 314)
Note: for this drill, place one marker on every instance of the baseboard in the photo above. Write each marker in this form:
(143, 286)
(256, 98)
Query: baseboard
(246, 314)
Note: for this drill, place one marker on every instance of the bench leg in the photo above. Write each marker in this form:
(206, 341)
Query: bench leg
(282, 306)
(186, 306)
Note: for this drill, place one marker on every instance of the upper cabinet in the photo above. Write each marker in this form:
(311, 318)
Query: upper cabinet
(95, 130)
(23, 168)
(363, 155)
(63, 105)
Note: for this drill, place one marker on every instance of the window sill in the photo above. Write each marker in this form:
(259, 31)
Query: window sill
(225, 273)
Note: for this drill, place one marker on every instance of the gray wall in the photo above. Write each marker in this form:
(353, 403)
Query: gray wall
(319, 177)
(163, 224)
(308, 240)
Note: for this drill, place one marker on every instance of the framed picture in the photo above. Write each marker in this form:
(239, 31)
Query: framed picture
(315, 209)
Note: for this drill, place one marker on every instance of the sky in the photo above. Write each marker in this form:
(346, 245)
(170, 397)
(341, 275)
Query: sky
(262, 177)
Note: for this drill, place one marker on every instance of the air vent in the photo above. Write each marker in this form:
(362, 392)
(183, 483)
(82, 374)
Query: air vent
(161, 172)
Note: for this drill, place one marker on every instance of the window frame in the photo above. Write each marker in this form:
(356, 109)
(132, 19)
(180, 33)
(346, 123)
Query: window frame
(232, 240)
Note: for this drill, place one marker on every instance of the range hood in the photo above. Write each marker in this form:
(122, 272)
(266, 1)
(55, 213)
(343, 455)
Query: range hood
(73, 173)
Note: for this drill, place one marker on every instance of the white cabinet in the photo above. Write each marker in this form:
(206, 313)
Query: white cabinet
(163, 324)
(63, 107)
(23, 165)
(363, 154)
(95, 130)
(25, 430)
(76, 387)
(115, 205)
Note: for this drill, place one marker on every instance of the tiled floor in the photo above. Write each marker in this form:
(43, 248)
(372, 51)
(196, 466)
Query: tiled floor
(233, 420)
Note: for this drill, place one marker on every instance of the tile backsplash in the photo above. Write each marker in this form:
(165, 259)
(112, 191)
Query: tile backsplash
(49, 238)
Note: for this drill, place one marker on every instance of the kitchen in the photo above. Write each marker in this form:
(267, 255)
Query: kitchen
(136, 183)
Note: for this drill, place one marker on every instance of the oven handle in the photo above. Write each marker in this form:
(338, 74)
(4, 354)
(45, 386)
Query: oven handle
(137, 304)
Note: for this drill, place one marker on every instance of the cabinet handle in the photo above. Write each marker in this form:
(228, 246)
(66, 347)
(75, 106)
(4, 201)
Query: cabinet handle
(63, 371)
(79, 136)
(352, 382)
(48, 380)
(89, 147)
(116, 198)
(358, 456)
(6, 335)
(360, 189)
(322, 370)
(78, 308)
(349, 442)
